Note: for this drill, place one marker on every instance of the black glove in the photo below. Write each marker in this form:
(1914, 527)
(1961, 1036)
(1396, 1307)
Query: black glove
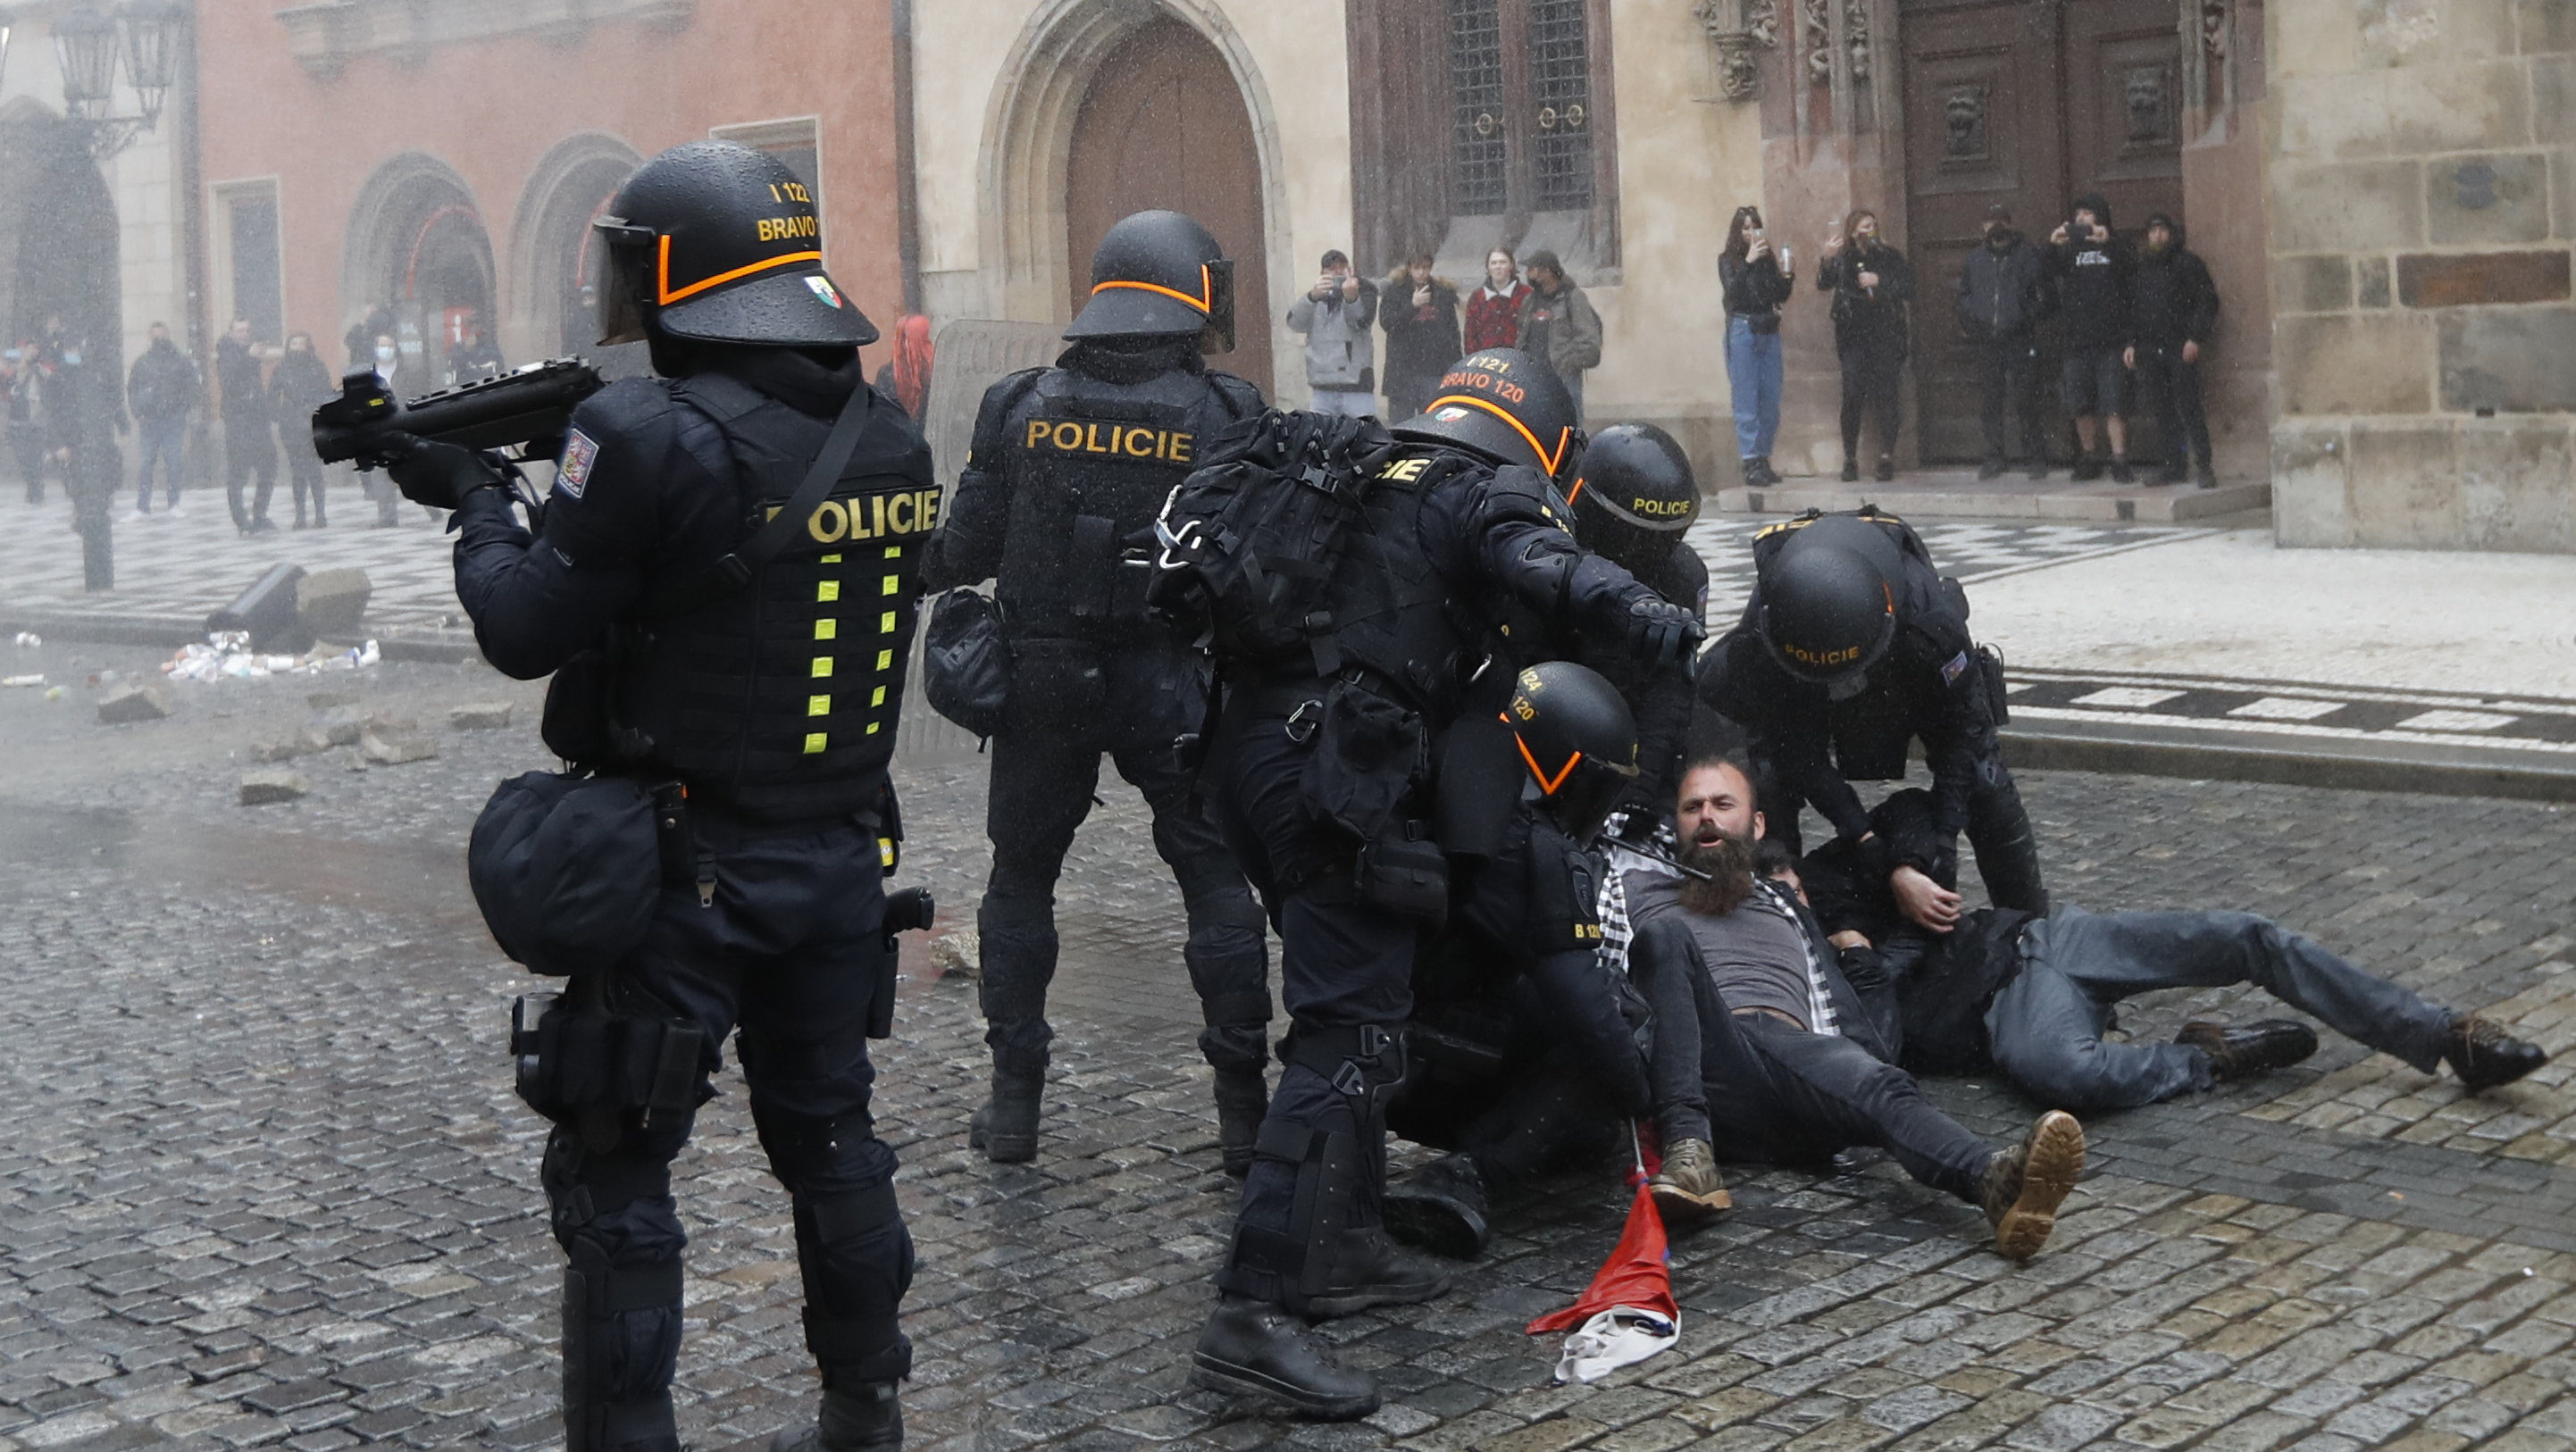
(434, 474)
(1660, 632)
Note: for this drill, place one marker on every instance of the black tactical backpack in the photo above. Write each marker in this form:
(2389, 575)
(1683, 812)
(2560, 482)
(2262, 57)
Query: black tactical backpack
(1251, 538)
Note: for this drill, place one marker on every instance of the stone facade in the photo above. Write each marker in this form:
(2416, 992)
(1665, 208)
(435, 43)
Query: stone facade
(2423, 203)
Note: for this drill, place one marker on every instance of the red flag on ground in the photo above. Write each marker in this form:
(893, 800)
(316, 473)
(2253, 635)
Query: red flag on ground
(1638, 1273)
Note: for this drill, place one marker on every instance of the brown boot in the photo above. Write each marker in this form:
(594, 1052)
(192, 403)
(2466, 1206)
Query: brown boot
(1689, 1189)
(2024, 1185)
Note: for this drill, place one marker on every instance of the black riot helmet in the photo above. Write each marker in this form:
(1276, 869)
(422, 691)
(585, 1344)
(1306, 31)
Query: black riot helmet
(1635, 495)
(1578, 739)
(720, 243)
(1159, 275)
(1829, 598)
(1507, 406)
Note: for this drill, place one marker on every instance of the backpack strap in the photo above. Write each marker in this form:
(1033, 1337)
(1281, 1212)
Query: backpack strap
(747, 559)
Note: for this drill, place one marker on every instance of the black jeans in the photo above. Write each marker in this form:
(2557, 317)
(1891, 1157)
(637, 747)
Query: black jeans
(2008, 372)
(1873, 368)
(1044, 773)
(304, 478)
(2180, 420)
(1763, 1090)
(239, 463)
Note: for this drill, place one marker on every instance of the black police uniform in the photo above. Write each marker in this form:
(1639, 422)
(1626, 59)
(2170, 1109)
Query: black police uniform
(773, 701)
(1933, 683)
(1633, 503)
(1056, 506)
(1327, 791)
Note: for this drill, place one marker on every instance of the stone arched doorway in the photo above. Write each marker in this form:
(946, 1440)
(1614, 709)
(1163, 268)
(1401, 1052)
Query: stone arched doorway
(419, 254)
(58, 234)
(556, 259)
(1162, 125)
(1080, 66)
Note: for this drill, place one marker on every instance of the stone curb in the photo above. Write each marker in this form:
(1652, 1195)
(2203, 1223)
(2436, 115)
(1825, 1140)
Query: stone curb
(2133, 750)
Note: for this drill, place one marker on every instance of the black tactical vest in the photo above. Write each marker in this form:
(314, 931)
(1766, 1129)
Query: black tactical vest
(1088, 464)
(1393, 613)
(779, 701)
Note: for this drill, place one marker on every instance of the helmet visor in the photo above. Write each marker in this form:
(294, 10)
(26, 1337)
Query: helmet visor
(621, 286)
(1584, 798)
(1218, 336)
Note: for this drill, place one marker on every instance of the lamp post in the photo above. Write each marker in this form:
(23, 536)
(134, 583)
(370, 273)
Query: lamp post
(89, 42)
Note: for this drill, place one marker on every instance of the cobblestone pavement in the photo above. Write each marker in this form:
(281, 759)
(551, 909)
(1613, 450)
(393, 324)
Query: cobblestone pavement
(264, 1182)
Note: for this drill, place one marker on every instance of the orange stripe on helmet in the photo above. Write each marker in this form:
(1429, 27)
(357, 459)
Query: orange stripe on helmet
(1547, 785)
(665, 296)
(1547, 457)
(1204, 302)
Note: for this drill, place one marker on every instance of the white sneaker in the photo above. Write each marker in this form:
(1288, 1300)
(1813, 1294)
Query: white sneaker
(174, 511)
(133, 516)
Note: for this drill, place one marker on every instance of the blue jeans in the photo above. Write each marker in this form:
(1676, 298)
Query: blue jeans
(2046, 1025)
(1753, 378)
(163, 439)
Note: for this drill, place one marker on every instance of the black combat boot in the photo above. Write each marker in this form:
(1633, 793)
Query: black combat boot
(1367, 1268)
(1006, 1128)
(1441, 1208)
(1770, 475)
(1251, 1348)
(869, 1419)
(2237, 1050)
(1851, 470)
(2485, 1056)
(1242, 1101)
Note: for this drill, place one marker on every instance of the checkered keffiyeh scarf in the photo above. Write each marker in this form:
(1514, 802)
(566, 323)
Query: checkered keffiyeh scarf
(1618, 930)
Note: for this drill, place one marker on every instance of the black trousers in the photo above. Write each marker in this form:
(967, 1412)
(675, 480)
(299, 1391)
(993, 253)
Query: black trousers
(1044, 774)
(239, 464)
(791, 953)
(304, 479)
(2008, 373)
(1998, 831)
(1765, 1091)
(2180, 421)
(1872, 371)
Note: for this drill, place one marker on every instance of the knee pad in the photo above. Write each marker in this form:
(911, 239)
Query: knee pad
(1018, 960)
(1230, 971)
(1331, 1168)
(621, 1345)
(857, 1261)
(812, 1156)
(619, 1203)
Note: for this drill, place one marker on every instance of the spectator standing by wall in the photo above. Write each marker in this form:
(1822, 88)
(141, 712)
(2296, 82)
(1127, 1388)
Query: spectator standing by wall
(2003, 297)
(1559, 325)
(1872, 283)
(250, 443)
(161, 391)
(300, 385)
(1335, 315)
(1757, 280)
(476, 358)
(88, 409)
(1420, 315)
(2174, 306)
(385, 357)
(2093, 268)
(19, 379)
(1494, 310)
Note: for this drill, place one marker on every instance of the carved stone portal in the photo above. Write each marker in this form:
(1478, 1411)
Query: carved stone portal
(1963, 114)
(2148, 91)
(1740, 30)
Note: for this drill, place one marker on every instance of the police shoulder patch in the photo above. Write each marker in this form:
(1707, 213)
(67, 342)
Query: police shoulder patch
(1954, 668)
(572, 475)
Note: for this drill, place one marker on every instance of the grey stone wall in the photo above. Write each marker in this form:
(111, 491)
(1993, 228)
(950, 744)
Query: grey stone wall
(2422, 185)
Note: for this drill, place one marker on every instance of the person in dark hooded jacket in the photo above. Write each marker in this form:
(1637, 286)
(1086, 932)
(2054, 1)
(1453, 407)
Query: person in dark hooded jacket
(1871, 283)
(2173, 308)
(2003, 296)
(2093, 267)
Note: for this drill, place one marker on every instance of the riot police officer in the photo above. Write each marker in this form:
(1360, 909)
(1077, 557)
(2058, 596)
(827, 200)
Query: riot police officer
(1057, 506)
(1851, 646)
(1634, 502)
(1322, 760)
(760, 697)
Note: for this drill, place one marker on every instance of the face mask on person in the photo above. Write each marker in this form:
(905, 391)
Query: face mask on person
(384, 355)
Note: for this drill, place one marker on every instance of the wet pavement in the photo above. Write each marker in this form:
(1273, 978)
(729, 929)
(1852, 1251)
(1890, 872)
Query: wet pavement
(265, 1183)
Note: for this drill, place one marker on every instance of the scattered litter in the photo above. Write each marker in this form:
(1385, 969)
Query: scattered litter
(227, 655)
(261, 788)
(30, 638)
(53, 693)
(22, 680)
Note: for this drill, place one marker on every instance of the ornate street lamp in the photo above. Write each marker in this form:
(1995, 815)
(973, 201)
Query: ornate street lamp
(88, 43)
(85, 44)
(151, 51)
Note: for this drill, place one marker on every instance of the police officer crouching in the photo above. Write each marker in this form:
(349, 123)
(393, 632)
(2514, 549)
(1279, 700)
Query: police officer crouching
(1634, 502)
(1851, 646)
(760, 700)
(1056, 505)
(1322, 762)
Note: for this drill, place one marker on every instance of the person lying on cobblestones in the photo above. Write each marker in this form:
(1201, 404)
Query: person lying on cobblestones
(2032, 996)
(1524, 1049)
(1764, 1044)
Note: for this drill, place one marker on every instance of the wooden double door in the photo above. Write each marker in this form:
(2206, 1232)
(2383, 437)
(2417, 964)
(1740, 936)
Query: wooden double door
(2029, 103)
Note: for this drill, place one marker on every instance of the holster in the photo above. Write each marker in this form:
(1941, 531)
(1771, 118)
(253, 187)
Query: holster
(599, 1073)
